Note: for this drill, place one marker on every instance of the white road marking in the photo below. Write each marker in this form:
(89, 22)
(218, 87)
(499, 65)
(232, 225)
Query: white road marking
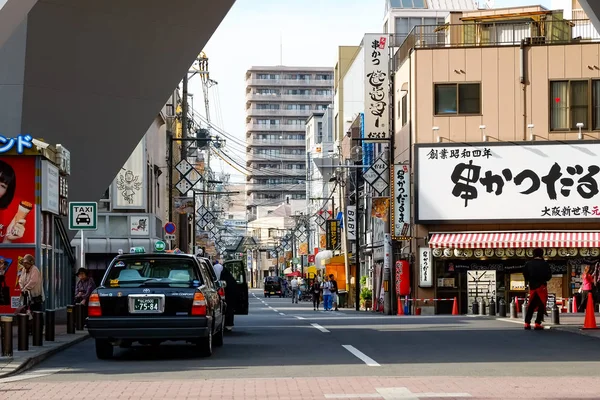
(319, 327)
(518, 321)
(362, 356)
(274, 310)
(300, 318)
(281, 313)
(395, 393)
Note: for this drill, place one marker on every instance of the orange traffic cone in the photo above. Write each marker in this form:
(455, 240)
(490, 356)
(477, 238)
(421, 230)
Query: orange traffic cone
(455, 307)
(400, 307)
(518, 308)
(590, 317)
(574, 309)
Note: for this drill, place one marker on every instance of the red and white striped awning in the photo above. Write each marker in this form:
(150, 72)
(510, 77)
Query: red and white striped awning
(495, 240)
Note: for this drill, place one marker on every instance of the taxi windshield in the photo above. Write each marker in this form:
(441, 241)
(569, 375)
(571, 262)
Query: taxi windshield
(152, 272)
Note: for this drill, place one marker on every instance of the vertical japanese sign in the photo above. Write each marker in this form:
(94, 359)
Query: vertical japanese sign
(425, 268)
(351, 222)
(332, 233)
(377, 82)
(249, 260)
(401, 201)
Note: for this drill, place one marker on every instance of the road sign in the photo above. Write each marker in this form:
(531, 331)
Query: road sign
(83, 216)
(170, 237)
(160, 246)
(170, 228)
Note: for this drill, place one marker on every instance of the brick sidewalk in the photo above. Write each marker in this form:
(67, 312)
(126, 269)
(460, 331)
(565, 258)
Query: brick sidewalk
(311, 388)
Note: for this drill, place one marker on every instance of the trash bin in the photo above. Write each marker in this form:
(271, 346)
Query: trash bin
(343, 298)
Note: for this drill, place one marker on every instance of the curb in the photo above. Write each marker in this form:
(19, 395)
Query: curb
(32, 361)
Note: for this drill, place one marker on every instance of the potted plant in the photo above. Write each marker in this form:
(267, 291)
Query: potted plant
(366, 298)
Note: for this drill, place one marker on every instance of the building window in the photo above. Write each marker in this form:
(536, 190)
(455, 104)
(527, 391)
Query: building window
(458, 98)
(404, 109)
(266, 106)
(570, 105)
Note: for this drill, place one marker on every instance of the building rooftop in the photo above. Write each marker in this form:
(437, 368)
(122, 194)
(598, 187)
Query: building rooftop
(289, 69)
(446, 5)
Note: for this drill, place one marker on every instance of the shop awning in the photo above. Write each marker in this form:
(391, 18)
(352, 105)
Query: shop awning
(494, 240)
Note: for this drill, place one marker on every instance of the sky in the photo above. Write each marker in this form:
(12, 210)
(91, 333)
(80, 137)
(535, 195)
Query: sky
(254, 31)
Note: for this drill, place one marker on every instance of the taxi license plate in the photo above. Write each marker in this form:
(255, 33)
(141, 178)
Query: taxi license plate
(146, 304)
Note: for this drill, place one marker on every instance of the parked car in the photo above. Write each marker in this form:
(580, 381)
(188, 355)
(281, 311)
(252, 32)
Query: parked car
(237, 270)
(156, 297)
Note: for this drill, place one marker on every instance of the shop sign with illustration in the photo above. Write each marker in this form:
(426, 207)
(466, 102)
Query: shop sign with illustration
(129, 187)
(139, 225)
(377, 82)
(10, 272)
(549, 181)
(17, 200)
(184, 205)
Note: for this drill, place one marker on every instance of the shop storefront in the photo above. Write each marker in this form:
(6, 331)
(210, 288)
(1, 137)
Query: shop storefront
(482, 208)
(472, 266)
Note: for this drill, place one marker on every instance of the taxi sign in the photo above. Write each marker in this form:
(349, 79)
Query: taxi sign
(137, 250)
(159, 246)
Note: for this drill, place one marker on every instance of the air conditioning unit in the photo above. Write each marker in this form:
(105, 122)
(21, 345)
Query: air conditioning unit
(535, 40)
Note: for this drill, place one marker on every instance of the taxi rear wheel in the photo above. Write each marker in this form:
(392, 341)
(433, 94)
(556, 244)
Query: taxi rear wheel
(205, 344)
(218, 340)
(104, 349)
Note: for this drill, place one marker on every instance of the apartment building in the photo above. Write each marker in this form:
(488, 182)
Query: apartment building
(278, 102)
(498, 117)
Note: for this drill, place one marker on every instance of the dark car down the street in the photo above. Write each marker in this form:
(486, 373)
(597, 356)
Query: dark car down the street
(152, 298)
(273, 286)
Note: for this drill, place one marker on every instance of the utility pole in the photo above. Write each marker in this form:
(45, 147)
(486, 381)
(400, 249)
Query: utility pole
(183, 218)
(387, 249)
(358, 234)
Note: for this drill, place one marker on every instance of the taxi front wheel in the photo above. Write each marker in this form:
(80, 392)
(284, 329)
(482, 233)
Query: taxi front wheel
(104, 349)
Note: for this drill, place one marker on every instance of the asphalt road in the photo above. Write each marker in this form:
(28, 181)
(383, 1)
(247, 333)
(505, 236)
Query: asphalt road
(288, 344)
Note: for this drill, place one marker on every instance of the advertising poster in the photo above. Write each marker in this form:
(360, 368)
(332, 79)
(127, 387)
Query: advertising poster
(17, 200)
(10, 270)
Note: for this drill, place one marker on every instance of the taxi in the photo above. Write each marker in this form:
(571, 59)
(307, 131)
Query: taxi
(151, 298)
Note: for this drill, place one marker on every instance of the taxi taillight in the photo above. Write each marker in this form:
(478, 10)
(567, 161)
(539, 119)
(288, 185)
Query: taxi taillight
(199, 304)
(94, 309)
(221, 292)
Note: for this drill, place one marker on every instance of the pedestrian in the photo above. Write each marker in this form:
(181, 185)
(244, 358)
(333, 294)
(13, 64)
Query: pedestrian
(30, 283)
(326, 288)
(316, 294)
(537, 273)
(84, 287)
(231, 295)
(587, 286)
(294, 285)
(334, 292)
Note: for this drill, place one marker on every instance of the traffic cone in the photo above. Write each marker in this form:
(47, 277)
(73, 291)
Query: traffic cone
(517, 304)
(574, 310)
(590, 318)
(455, 307)
(400, 307)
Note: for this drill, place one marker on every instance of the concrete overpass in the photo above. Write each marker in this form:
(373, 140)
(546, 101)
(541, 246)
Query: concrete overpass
(92, 74)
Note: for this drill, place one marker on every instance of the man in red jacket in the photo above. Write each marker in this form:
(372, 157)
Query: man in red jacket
(537, 273)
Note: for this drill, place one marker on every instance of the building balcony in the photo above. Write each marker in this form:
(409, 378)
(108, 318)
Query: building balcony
(290, 97)
(300, 173)
(281, 187)
(301, 83)
(275, 143)
(480, 34)
(275, 158)
(253, 112)
(275, 128)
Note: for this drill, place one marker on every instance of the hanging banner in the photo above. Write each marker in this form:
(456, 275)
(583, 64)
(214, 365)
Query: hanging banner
(401, 196)
(351, 222)
(377, 83)
(425, 268)
(249, 260)
(129, 187)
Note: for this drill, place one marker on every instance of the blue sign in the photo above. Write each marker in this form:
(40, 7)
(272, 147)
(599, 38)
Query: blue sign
(170, 228)
(22, 142)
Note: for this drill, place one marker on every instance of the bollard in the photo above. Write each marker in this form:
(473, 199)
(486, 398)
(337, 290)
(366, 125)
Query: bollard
(50, 325)
(513, 309)
(7, 336)
(555, 316)
(492, 310)
(570, 305)
(525, 307)
(70, 320)
(79, 317)
(482, 307)
(23, 334)
(502, 308)
(475, 308)
(38, 327)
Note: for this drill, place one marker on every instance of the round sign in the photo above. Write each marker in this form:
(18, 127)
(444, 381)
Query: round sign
(159, 246)
(170, 228)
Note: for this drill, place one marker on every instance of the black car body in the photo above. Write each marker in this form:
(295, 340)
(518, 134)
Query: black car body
(273, 286)
(151, 298)
(237, 270)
